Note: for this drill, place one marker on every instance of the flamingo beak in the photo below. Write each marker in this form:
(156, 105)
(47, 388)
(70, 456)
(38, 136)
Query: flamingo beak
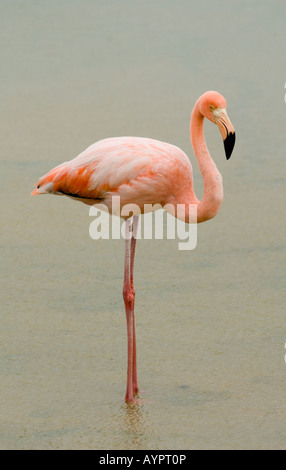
(226, 130)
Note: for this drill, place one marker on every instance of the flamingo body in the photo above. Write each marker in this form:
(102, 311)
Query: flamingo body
(139, 170)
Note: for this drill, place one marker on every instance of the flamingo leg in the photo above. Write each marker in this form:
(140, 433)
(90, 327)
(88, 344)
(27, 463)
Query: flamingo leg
(132, 258)
(128, 296)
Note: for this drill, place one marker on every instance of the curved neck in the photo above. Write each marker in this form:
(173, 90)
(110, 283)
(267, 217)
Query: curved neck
(213, 189)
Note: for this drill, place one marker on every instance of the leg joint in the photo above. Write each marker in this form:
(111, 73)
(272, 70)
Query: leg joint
(128, 296)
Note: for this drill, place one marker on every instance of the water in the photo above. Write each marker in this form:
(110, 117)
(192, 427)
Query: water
(210, 322)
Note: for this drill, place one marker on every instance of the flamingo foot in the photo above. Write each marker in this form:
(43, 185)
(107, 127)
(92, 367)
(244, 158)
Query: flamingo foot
(133, 401)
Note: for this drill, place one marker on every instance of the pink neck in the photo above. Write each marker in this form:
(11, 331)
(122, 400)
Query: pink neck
(213, 189)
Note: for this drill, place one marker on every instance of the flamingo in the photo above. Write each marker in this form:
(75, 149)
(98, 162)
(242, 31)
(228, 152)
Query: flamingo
(145, 171)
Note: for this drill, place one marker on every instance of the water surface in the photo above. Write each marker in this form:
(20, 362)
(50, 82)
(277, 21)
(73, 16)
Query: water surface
(210, 322)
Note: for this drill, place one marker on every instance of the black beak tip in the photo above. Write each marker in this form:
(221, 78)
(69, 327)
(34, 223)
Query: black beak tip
(229, 144)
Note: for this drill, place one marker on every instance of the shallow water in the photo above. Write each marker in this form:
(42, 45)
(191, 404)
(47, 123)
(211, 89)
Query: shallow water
(210, 322)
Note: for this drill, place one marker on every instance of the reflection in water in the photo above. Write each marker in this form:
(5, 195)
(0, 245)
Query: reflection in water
(135, 425)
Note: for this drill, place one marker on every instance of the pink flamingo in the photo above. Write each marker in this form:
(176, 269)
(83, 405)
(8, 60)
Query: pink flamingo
(145, 171)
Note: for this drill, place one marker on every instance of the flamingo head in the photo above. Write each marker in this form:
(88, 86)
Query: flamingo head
(212, 105)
